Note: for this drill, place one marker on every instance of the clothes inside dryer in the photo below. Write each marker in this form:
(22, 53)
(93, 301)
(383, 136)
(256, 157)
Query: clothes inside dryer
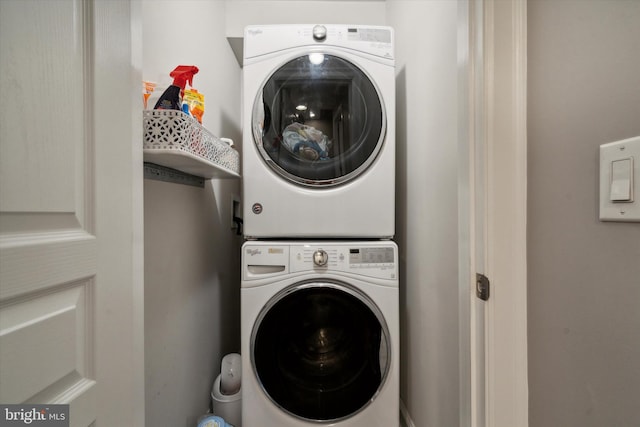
(318, 120)
(321, 351)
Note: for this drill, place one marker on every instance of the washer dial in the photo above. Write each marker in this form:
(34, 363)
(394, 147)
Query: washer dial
(320, 258)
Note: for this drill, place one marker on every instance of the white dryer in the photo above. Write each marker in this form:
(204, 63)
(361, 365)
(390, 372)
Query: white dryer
(318, 131)
(320, 334)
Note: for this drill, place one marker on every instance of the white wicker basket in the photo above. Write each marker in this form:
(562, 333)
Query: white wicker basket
(167, 131)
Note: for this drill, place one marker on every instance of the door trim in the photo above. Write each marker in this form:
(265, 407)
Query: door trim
(470, 217)
(505, 76)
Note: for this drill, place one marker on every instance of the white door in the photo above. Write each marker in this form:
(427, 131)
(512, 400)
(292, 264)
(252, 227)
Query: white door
(70, 211)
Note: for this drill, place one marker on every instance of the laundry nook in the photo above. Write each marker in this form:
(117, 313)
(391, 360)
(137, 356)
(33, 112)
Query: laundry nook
(319, 213)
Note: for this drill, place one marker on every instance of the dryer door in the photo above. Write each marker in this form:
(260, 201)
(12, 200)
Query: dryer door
(321, 351)
(319, 121)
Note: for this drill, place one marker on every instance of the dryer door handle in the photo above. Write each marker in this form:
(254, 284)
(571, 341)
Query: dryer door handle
(267, 119)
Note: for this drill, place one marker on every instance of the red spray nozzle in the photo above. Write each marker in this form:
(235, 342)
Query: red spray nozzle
(183, 74)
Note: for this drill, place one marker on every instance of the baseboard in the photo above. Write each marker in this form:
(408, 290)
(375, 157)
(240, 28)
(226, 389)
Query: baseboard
(405, 417)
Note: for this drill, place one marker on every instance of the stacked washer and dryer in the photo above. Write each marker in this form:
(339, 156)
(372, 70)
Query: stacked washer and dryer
(319, 289)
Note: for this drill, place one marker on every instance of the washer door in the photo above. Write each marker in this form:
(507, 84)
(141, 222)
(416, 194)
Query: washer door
(321, 351)
(318, 121)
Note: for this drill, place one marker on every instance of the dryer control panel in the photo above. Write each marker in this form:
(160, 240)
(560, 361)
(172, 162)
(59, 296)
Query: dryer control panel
(264, 39)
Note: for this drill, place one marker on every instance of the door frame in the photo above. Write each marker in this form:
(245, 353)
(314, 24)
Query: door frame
(493, 207)
(505, 77)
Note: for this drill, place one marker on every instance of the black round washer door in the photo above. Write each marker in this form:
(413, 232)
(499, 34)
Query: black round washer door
(318, 121)
(321, 351)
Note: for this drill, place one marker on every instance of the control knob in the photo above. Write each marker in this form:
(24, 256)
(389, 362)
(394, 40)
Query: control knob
(320, 258)
(319, 33)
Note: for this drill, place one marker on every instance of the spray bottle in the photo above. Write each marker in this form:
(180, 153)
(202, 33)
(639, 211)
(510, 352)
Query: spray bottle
(171, 99)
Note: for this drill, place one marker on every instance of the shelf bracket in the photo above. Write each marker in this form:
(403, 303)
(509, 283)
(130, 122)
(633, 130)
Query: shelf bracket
(163, 173)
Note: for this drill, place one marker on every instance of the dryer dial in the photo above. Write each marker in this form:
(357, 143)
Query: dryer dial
(320, 258)
(319, 33)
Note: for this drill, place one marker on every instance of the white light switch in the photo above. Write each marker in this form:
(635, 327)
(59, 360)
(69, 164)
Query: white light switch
(619, 181)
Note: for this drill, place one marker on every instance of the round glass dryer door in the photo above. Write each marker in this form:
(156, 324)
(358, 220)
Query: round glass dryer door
(319, 121)
(321, 351)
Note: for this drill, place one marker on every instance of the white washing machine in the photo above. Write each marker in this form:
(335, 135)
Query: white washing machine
(318, 131)
(320, 334)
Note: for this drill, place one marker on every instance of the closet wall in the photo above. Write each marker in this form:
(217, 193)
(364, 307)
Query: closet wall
(192, 267)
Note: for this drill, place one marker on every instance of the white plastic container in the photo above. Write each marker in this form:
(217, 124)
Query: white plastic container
(230, 374)
(228, 407)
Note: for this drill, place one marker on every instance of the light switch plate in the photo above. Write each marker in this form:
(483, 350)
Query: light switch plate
(625, 211)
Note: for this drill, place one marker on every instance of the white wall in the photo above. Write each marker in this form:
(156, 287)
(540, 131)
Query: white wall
(192, 268)
(427, 218)
(241, 13)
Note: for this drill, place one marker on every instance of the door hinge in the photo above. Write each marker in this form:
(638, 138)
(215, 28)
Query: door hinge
(483, 286)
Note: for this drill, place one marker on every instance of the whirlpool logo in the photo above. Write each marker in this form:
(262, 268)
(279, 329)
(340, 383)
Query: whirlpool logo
(34, 415)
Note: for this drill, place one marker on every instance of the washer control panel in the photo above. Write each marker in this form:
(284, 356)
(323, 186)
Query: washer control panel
(372, 256)
(377, 259)
(373, 260)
